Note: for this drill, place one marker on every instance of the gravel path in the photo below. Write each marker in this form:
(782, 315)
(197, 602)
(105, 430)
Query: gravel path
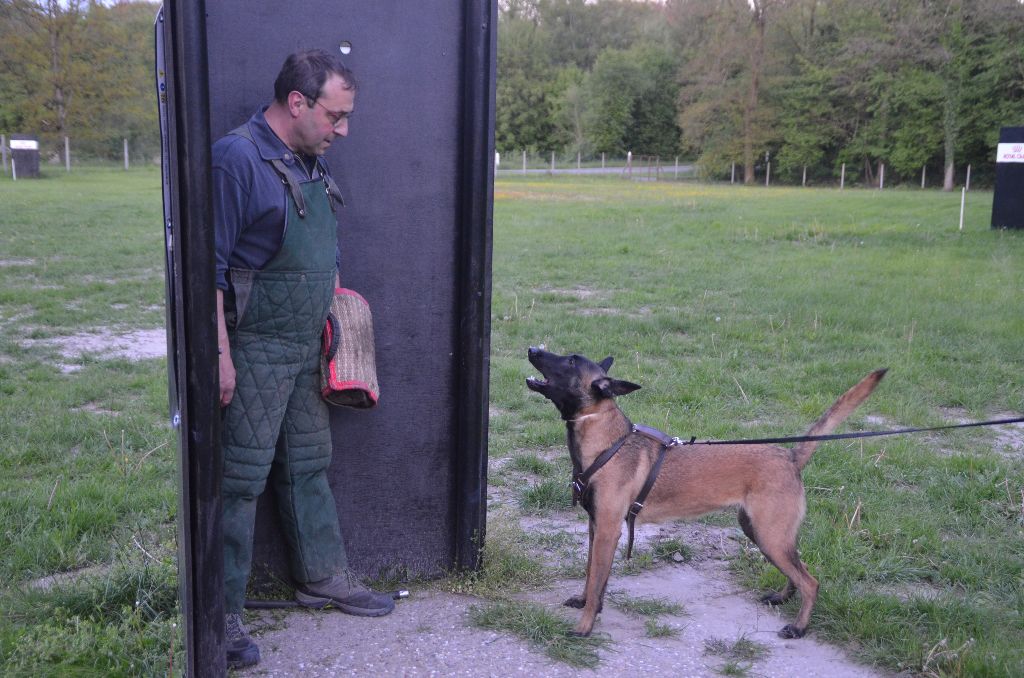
(430, 634)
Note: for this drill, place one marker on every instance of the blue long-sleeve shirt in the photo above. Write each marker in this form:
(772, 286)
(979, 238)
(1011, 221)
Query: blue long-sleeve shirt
(250, 202)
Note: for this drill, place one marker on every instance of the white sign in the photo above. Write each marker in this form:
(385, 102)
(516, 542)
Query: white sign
(1013, 152)
(24, 145)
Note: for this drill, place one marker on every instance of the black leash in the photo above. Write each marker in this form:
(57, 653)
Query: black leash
(846, 436)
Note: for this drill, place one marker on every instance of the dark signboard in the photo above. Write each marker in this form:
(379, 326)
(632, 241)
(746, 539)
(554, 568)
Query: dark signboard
(1008, 200)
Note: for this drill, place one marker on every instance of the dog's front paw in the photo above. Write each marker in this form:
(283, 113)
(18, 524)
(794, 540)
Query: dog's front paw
(578, 634)
(790, 631)
(576, 601)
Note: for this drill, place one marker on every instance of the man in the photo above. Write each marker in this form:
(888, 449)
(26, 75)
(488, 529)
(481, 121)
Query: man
(277, 268)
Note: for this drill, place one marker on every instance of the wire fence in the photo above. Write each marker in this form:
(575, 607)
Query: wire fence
(676, 168)
(63, 155)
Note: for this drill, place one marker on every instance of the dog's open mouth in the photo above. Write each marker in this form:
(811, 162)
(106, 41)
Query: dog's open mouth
(535, 383)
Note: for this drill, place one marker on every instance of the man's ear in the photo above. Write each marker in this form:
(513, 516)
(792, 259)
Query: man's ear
(606, 364)
(296, 102)
(609, 388)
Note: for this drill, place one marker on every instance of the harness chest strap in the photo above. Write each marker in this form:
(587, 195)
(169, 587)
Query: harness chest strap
(581, 481)
(652, 476)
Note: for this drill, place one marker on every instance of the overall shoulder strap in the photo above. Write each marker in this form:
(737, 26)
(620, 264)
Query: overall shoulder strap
(243, 131)
(282, 172)
(332, 187)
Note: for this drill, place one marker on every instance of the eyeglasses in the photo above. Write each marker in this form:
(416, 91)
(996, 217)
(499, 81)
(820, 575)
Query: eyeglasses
(334, 117)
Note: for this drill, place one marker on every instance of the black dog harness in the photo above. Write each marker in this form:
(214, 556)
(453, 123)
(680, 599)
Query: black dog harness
(581, 479)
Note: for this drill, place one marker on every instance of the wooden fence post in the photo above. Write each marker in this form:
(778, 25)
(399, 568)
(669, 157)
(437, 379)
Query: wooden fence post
(524, 161)
(842, 178)
(126, 154)
(3, 150)
(963, 199)
(67, 154)
(967, 185)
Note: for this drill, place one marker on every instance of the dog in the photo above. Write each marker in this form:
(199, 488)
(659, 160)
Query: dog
(763, 481)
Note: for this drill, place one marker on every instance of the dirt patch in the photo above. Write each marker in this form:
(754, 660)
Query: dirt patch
(106, 344)
(641, 312)
(1009, 437)
(93, 408)
(578, 293)
(65, 579)
(909, 591)
(879, 422)
(5, 263)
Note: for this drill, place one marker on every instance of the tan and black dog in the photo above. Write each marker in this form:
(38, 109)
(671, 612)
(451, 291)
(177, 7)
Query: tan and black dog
(763, 481)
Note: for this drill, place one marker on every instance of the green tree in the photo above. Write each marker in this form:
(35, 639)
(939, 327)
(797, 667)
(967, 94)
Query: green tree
(632, 102)
(82, 70)
(525, 115)
(41, 53)
(118, 44)
(727, 61)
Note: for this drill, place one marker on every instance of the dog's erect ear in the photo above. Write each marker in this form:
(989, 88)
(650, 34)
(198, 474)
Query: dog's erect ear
(609, 388)
(606, 364)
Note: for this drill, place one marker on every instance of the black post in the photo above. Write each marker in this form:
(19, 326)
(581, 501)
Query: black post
(474, 288)
(200, 562)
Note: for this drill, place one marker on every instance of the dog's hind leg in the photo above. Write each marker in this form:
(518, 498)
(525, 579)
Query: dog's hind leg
(788, 561)
(775, 597)
(777, 542)
(607, 531)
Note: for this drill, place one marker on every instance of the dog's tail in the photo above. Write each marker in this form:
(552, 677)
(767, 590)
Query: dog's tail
(836, 414)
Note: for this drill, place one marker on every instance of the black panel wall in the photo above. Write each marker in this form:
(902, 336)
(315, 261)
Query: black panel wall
(417, 175)
(403, 171)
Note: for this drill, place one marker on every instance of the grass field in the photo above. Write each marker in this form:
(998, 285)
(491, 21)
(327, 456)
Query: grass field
(744, 312)
(87, 460)
(741, 311)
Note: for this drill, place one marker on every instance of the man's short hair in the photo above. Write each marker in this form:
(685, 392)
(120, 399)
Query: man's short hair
(307, 71)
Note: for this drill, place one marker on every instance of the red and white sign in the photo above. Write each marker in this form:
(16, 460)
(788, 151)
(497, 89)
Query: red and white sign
(1013, 152)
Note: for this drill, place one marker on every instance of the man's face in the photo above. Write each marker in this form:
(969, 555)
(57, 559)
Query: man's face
(326, 118)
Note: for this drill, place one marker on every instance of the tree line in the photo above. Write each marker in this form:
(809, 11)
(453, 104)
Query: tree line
(79, 69)
(808, 85)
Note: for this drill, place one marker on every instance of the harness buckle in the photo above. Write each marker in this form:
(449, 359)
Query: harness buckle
(635, 508)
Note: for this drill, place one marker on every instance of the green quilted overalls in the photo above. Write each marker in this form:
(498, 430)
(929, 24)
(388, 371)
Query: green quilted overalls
(276, 417)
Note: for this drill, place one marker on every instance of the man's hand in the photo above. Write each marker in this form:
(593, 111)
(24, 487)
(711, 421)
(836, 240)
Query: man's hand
(226, 365)
(227, 377)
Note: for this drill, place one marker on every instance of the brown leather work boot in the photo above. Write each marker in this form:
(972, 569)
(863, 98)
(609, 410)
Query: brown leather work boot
(345, 592)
